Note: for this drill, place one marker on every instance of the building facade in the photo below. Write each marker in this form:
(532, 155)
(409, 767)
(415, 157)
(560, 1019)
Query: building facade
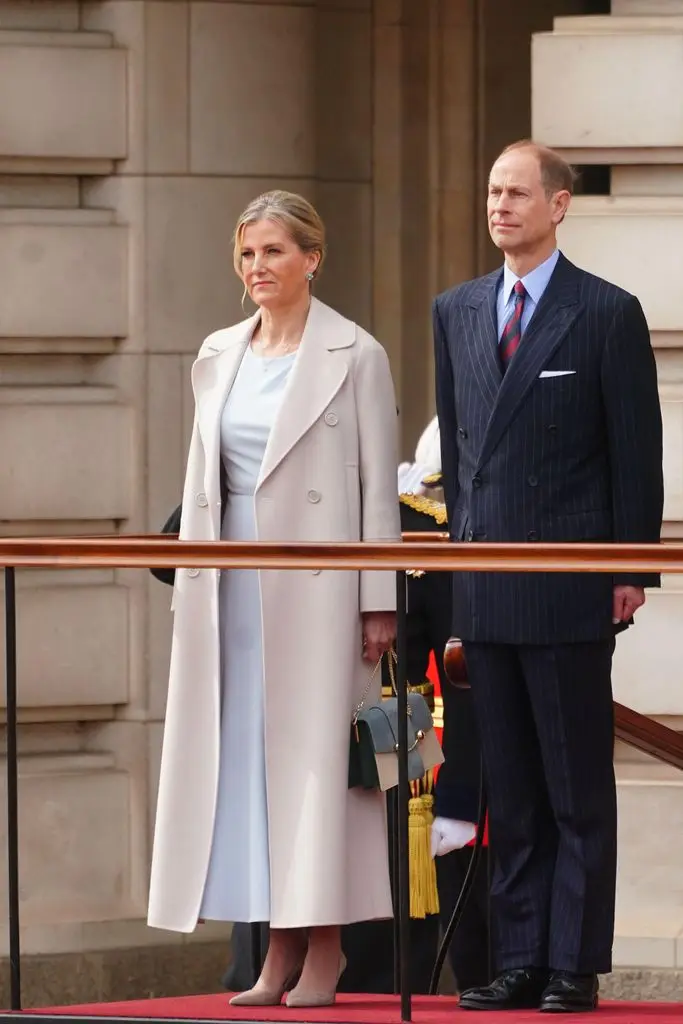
(132, 133)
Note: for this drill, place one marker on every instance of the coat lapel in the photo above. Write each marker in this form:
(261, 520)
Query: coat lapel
(213, 374)
(316, 378)
(483, 350)
(556, 312)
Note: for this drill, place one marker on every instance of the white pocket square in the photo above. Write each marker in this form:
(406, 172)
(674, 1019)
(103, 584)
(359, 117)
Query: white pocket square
(556, 373)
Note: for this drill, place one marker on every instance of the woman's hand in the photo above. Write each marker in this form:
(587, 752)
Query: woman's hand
(379, 633)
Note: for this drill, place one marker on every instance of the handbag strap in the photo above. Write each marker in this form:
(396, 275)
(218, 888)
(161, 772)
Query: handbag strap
(393, 659)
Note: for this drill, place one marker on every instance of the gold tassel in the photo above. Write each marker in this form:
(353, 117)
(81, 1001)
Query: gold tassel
(424, 897)
(431, 890)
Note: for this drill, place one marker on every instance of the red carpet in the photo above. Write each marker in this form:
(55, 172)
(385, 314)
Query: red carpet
(360, 1009)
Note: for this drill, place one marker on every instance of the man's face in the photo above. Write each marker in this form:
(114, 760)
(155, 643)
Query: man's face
(521, 216)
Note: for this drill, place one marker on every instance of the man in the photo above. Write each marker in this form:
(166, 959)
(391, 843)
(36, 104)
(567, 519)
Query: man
(456, 793)
(550, 431)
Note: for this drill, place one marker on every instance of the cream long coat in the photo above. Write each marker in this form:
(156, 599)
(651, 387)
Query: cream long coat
(329, 474)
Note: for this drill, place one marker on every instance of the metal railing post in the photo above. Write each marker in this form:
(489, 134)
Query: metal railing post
(12, 788)
(402, 799)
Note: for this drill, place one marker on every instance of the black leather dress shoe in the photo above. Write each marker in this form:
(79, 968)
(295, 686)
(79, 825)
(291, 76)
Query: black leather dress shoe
(570, 993)
(518, 989)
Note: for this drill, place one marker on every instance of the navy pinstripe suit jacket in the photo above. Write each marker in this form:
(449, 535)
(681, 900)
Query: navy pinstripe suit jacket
(526, 457)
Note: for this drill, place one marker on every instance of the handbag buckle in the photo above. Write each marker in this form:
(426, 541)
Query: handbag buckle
(419, 735)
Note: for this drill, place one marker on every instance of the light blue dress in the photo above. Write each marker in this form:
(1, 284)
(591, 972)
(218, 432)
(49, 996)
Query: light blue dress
(238, 880)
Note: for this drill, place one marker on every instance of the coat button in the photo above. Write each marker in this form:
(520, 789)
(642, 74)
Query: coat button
(314, 496)
(552, 428)
(193, 572)
(331, 419)
(532, 535)
(462, 432)
(201, 499)
(476, 482)
(532, 481)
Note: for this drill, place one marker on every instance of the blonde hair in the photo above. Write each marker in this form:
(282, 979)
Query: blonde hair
(292, 212)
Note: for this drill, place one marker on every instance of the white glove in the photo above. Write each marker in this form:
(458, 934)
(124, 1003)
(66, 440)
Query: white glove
(449, 834)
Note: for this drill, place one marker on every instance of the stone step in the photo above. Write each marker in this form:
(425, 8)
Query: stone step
(649, 922)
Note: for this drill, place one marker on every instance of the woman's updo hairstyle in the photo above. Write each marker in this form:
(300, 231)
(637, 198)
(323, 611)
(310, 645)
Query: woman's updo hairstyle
(292, 212)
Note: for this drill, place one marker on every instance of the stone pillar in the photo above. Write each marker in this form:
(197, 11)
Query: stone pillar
(423, 160)
(451, 89)
(69, 464)
(616, 100)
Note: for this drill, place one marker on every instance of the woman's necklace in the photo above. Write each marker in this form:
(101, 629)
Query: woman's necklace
(280, 348)
(267, 353)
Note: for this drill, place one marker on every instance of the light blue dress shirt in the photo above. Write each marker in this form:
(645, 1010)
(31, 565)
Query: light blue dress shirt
(535, 283)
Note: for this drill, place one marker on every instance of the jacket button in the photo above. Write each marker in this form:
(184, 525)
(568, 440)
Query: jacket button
(532, 481)
(462, 432)
(314, 496)
(552, 428)
(476, 482)
(331, 419)
(201, 499)
(193, 572)
(532, 535)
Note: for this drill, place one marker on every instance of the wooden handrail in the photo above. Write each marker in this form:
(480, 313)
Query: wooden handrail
(418, 551)
(158, 552)
(650, 737)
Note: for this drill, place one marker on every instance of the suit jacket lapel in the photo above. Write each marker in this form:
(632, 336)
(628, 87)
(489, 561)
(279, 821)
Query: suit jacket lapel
(316, 378)
(556, 312)
(483, 350)
(213, 374)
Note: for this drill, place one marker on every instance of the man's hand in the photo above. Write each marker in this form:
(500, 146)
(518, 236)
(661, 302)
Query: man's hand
(379, 633)
(626, 601)
(448, 834)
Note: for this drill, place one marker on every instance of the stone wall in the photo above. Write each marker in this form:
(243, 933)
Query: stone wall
(132, 133)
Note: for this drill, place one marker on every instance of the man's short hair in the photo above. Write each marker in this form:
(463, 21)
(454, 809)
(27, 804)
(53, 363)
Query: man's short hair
(556, 174)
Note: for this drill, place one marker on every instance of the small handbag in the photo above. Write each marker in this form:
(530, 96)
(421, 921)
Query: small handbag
(172, 526)
(373, 745)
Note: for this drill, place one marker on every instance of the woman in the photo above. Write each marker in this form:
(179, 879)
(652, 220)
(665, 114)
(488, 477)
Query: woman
(294, 440)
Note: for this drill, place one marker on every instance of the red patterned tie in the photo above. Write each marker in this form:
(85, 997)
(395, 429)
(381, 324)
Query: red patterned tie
(512, 332)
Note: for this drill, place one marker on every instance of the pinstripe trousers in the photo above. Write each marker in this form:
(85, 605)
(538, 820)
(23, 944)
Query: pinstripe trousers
(546, 725)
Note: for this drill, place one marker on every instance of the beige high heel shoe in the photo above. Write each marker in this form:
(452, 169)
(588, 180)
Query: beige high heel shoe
(260, 995)
(298, 999)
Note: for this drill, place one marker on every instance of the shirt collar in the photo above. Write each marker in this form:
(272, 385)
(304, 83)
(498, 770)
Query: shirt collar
(535, 282)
